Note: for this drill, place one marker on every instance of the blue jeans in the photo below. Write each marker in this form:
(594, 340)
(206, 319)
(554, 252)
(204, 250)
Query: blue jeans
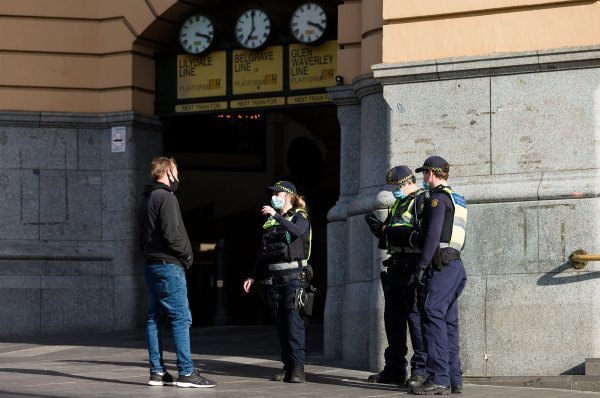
(167, 299)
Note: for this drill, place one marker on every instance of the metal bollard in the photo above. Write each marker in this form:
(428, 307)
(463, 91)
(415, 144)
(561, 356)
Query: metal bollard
(579, 258)
(222, 313)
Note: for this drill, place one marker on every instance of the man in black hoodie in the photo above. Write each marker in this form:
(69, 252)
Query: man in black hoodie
(167, 252)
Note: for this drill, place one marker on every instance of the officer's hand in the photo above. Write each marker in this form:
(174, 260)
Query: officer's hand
(268, 211)
(247, 283)
(418, 276)
(371, 218)
(374, 223)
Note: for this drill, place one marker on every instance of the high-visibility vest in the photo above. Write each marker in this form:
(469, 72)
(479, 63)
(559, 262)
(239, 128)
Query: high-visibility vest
(402, 214)
(456, 240)
(278, 245)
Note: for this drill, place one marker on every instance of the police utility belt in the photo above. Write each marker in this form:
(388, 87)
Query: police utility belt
(443, 256)
(402, 250)
(285, 272)
(290, 265)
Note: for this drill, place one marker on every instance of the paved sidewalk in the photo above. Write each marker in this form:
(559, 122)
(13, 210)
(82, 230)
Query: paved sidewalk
(240, 358)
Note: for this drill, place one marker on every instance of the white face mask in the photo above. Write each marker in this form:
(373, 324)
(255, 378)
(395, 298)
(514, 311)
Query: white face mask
(277, 203)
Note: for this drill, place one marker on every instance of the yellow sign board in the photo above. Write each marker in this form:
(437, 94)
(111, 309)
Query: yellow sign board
(312, 67)
(201, 107)
(257, 102)
(257, 71)
(201, 77)
(308, 99)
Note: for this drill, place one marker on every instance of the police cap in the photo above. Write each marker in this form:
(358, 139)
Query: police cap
(284, 186)
(434, 163)
(396, 177)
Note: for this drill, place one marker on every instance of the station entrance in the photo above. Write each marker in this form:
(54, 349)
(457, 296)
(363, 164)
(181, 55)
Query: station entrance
(242, 111)
(226, 160)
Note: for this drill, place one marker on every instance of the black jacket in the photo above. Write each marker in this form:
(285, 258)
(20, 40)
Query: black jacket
(162, 233)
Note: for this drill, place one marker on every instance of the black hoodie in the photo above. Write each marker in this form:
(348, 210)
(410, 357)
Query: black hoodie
(162, 233)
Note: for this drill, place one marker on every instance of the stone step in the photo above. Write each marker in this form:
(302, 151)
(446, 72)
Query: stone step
(565, 382)
(592, 366)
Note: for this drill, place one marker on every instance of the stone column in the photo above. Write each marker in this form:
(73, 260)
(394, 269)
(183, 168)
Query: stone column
(358, 314)
(349, 118)
(521, 133)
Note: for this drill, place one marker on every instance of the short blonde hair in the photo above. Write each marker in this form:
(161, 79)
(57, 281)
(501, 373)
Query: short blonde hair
(160, 166)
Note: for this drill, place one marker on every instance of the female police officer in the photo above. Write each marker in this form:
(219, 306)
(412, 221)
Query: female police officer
(284, 253)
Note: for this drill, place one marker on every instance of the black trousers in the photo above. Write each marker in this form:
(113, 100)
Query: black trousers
(290, 323)
(402, 317)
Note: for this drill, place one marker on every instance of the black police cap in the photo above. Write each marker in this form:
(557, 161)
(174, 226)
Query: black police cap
(284, 186)
(434, 163)
(396, 177)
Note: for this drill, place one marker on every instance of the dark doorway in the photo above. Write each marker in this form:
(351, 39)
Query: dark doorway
(225, 163)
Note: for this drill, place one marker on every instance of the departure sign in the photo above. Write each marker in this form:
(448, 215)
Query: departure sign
(312, 67)
(257, 71)
(201, 77)
(284, 75)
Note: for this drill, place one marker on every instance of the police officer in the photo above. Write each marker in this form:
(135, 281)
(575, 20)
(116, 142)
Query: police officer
(443, 276)
(283, 256)
(400, 297)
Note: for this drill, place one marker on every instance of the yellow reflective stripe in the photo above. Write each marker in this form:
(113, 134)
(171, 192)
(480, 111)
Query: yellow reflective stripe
(271, 222)
(309, 241)
(395, 207)
(402, 224)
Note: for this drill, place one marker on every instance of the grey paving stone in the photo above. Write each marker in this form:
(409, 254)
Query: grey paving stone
(240, 358)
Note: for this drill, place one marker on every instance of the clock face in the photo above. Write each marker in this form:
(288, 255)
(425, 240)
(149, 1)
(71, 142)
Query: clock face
(196, 34)
(308, 23)
(252, 28)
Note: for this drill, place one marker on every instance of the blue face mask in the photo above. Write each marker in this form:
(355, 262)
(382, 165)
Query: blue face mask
(277, 203)
(398, 194)
(426, 186)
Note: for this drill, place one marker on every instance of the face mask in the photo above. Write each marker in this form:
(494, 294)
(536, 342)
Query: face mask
(277, 203)
(426, 185)
(398, 194)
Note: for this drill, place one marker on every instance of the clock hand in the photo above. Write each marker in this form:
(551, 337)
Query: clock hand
(251, 27)
(207, 37)
(249, 35)
(316, 25)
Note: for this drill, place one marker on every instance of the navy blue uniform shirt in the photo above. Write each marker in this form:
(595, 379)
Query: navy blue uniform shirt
(437, 208)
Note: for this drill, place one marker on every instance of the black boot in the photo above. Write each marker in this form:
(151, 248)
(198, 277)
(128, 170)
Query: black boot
(416, 380)
(284, 375)
(387, 377)
(297, 375)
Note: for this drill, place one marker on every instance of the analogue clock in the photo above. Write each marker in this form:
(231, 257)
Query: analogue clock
(196, 34)
(252, 28)
(308, 23)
